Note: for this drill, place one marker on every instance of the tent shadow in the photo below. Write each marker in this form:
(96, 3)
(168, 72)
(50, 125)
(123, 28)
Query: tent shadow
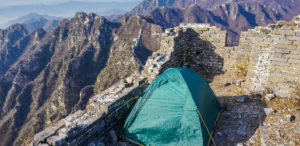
(239, 122)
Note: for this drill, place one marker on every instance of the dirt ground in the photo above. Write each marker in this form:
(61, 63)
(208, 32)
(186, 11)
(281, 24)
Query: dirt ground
(252, 119)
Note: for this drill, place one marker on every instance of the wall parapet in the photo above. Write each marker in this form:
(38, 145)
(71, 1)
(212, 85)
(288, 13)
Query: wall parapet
(100, 122)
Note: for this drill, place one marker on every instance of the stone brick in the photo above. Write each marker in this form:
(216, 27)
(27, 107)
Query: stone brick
(43, 134)
(294, 61)
(279, 59)
(294, 38)
(278, 63)
(282, 51)
(295, 52)
(296, 43)
(286, 42)
(283, 46)
(56, 140)
(261, 44)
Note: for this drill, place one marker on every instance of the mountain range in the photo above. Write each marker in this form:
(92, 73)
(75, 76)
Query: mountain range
(45, 76)
(33, 21)
(232, 16)
(49, 72)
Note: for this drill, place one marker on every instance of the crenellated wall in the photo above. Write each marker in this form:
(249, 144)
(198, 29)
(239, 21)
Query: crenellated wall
(272, 56)
(197, 46)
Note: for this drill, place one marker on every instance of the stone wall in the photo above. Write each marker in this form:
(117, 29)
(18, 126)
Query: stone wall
(102, 120)
(274, 61)
(197, 46)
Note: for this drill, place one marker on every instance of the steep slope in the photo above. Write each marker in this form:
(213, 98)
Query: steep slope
(10, 47)
(149, 5)
(55, 73)
(136, 40)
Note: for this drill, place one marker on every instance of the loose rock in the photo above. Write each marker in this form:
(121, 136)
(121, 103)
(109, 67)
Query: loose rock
(129, 80)
(290, 118)
(269, 111)
(242, 99)
(279, 134)
(226, 84)
(239, 82)
(270, 97)
(291, 143)
(297, 115)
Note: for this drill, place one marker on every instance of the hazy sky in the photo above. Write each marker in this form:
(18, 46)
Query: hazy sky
(4, 3)
(60, 8)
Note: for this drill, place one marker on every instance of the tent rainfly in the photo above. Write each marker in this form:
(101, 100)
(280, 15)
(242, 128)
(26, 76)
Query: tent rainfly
(178, 109)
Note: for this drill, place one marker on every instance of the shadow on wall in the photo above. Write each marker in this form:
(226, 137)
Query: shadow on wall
(241, 119)
(107, 129)
(191, 51)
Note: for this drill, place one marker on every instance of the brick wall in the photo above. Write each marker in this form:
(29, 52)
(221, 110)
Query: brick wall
(274, 59)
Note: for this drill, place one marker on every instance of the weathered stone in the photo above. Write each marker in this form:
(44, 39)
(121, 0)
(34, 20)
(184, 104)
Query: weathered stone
(240, 144)
(269, 111)
(43, 144)
(291, 143)
(270, 97)
(297, 115)
(279, 134)
(226, 84)
(242, 99)
(252, 141)
(283, 46)
(113, 136)
(290, 118)
(294, 38)
(43, 134)
(129, 80)
(56, 140)
(239, 82)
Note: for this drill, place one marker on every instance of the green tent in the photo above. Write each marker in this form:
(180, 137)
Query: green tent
(178, 108)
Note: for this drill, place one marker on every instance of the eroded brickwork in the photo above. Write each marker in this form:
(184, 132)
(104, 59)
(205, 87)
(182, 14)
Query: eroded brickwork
(275, 59)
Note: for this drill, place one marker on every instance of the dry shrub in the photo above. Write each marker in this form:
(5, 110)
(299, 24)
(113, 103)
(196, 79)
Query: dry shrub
(242, 69)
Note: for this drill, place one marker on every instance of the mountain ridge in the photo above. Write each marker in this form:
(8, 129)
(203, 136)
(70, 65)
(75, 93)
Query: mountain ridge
(234, 16)
(57, 71)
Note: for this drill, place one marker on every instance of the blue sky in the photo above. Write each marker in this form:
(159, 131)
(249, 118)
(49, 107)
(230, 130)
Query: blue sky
(4, 3)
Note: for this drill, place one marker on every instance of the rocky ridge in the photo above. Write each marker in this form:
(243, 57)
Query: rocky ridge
(53, 74)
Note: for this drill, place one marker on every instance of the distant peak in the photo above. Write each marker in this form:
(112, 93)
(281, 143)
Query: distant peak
(80, 15)
(17, 27)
